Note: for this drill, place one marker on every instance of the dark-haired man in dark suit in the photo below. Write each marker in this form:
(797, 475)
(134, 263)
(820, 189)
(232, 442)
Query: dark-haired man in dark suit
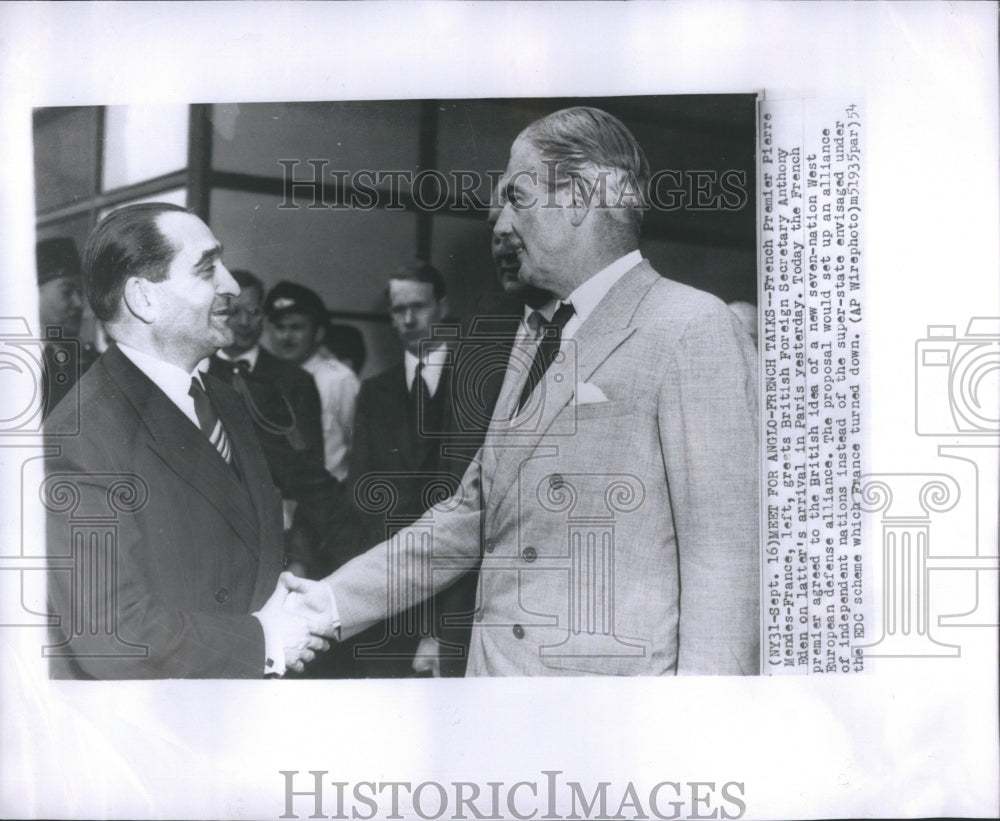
(164, 531)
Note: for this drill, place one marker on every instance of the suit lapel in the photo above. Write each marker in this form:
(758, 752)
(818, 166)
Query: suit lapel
(607, 327)
(185, 449)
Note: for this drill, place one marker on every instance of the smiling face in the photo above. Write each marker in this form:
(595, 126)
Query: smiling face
(535, 221)
(192, 304)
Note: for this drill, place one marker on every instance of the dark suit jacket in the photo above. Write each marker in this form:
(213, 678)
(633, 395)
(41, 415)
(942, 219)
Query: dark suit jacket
(284, 396)
(164, 550)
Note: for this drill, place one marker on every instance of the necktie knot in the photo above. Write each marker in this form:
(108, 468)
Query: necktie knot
(550, 338)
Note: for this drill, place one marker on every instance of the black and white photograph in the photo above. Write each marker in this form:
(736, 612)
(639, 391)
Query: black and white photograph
(499, 410)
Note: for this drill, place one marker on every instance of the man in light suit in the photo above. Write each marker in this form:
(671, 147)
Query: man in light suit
(164, 528)
(615, 497)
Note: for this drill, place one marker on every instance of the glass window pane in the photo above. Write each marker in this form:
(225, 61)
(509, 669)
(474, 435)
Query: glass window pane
(378, 136)
(143, 141)
(65, 155)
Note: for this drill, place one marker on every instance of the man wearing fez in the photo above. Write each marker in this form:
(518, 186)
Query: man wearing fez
(298, 317)
(60, 309)
(190, 588)
(614, 503)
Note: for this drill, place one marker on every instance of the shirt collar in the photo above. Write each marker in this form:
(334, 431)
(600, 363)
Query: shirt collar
(433, 361)
(588, 294)
(547, 310)
(175, 382)
(249, 356)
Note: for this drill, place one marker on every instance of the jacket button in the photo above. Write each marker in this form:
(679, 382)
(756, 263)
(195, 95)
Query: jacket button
(221, 595)
(529, 554)
(490, 545)
(556, 481)
(518, 631)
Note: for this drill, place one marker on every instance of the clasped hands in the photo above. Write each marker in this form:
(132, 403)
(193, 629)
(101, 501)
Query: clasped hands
(303, 612)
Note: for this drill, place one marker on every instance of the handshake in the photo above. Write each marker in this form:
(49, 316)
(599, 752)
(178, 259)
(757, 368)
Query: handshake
(303, 614)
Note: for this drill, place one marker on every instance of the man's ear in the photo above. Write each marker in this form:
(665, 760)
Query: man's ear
(320, 332)
(443, 306)
(139, 299)
(584, 196)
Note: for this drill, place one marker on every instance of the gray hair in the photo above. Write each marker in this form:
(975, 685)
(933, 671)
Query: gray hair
(583, 145)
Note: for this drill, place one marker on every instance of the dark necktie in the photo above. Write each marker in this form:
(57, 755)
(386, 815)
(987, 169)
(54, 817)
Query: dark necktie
(420, 397)
(209, 420)
(548, 347)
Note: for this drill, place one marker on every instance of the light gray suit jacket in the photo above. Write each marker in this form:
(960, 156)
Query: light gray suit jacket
(616, 515)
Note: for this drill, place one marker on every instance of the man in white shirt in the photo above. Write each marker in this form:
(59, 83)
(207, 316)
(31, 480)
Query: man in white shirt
(164, 528)
(615, 497)
(297, 317)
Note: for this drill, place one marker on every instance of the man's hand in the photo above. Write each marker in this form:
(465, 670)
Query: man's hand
(299, 631)
(312, 601)
(427, 659)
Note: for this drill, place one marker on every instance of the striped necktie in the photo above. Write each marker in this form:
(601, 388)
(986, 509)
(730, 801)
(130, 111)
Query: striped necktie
(209, 420)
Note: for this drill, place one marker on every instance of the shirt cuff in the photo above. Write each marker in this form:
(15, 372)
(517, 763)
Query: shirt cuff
(334, 612)
(274, 648)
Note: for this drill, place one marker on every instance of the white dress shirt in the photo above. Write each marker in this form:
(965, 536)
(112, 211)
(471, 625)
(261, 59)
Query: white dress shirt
(433, 361)
(338, 392)
(589, 294)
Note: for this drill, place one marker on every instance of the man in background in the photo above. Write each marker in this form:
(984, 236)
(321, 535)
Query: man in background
(297, 320)
(169, 456)
(404, 418)
(284, 405)
(60, 310)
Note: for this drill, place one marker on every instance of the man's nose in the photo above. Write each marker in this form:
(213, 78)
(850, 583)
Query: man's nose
(225, 284)
(502, 227)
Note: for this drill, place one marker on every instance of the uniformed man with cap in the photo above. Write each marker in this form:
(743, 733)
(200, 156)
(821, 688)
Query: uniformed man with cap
(296, 321)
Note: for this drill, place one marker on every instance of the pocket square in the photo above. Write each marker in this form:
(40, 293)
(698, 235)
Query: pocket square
(588, 393)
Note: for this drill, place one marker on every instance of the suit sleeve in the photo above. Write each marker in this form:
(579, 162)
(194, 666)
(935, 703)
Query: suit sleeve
(450, 530)
(119, 628)
(709, 437)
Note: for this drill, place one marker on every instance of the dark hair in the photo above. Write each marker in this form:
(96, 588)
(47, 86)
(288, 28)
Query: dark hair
(346, 343)
(124, 244)
(420, 271)
(247, 279)
(576, 141)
